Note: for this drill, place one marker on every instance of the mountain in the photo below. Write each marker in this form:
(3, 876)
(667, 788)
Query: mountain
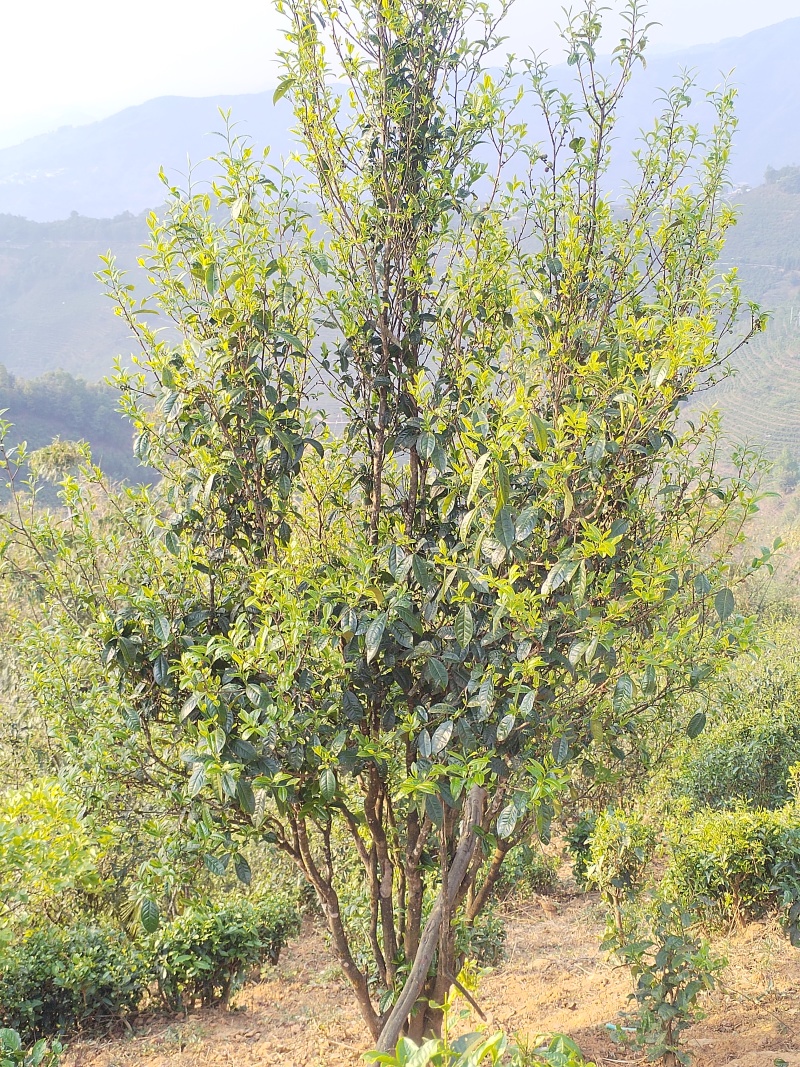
(108, 167)
(104, 168)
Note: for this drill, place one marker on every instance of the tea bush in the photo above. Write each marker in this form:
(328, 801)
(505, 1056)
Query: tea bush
(206, 953)
(14, 1054)
(672, 968)
(739, 863)
(579, 839)
(54, 980)
(742, 762)
(484, 941)
(526, 870)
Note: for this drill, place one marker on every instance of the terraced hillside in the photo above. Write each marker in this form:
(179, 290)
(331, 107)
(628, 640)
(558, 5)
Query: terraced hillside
(761, 401)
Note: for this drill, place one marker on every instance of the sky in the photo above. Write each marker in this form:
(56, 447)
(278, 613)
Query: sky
(71, 63)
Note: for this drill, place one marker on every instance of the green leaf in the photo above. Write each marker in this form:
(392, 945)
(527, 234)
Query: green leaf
(162, 628)
(539, 429)
(623, 694)
(560, 749)
(172, 543)
(242, 868)
(282, 90)
(426, 443)
(214, 864)
(437, 673)
(526, 523)
(424, 744)
(559, 575)
(373, 636)
(507, 820)
(697, 724)
(197, 779)
(320, 260)
(503, 482)
(161, 670)
(478, 472)
(245, 796)
(504, 727)
(724, 604)
(420, 569)
(327, 784)
(441, 736)
(148, 915)
(504, 529)
(464, 626)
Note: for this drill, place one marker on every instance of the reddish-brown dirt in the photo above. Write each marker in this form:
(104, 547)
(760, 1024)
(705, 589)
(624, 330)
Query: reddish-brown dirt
(555, 979)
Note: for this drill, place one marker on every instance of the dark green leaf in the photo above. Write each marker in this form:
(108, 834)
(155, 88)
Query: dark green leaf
(327, 784)
(148, 915)
(464, 626)
(696, 725)
(724, 604)
(242, 868)
(504, 529)
(373, 636)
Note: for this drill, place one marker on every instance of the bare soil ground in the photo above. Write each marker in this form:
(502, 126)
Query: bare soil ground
(555, 979)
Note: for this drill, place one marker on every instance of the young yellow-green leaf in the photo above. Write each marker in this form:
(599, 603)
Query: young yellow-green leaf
(478, 472)
(283, 89)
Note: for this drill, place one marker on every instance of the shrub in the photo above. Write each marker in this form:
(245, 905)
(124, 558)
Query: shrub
(738, 863)
(14, 1054)
(526, 870)
(745, 762)
(579, 841)
(672, 968)
(484, 940)
(206, 953)
(56, 980)
(620, 848)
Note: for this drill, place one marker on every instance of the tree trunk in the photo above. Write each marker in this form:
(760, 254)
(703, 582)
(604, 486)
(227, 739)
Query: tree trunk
(442, 910)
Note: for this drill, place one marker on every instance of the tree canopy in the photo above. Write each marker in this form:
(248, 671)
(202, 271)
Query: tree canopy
(432, 543)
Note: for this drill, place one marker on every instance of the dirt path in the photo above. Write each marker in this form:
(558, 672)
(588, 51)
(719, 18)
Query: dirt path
(555, 979)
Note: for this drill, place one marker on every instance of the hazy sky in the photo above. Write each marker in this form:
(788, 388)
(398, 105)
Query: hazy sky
(66, 63)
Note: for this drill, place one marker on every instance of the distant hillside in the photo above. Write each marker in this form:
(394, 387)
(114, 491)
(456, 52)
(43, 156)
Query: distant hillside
(53, 313)
(104, 168)
(59, 405)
